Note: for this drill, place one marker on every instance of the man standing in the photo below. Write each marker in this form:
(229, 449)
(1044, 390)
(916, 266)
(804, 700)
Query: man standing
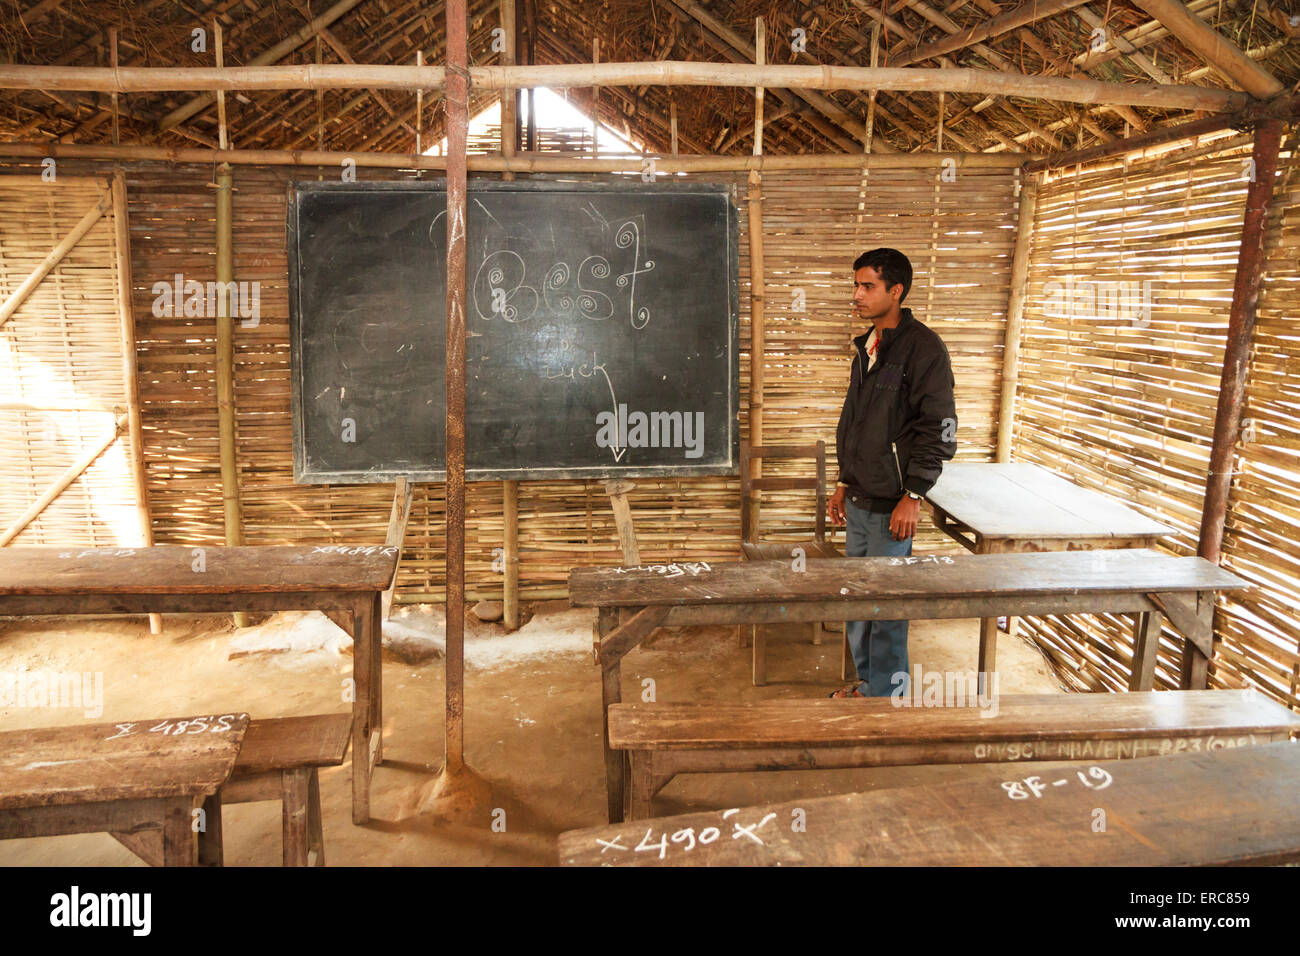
(897, 428)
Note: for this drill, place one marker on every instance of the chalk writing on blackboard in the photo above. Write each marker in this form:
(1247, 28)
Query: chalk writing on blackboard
(1096, 779)
(686, 839)
(177, 727)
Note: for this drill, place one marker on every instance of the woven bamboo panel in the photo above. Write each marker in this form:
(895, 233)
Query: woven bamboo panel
(1118, 391)
(813, 230)
(61, 356)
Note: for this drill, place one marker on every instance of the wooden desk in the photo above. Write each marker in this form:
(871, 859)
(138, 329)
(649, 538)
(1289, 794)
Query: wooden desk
(1198, 809)
(140, 781)
(994, 508)
(632, 602)
(196, 580)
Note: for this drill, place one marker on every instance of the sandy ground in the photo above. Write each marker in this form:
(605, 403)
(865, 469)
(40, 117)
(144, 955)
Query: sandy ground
(532, 726)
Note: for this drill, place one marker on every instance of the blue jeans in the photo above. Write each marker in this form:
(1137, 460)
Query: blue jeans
(879, 647)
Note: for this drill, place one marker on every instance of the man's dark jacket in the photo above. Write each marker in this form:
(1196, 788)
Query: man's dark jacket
(899, 422)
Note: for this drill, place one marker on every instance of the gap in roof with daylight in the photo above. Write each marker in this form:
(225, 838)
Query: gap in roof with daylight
(561, 127)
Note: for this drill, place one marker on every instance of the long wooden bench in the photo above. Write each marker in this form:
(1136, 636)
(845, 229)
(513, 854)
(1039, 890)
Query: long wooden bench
(665, 739)
(279, 761)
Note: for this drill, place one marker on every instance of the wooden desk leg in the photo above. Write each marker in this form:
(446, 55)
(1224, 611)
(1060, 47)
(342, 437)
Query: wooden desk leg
(315, 827)
(377, 682)
(293, 816)
(642, 785)
(988, 661)
(759, 663)
(1146, 642)
(848, 667)
(210, 837)
(1194, 671)
(180, 846)
(616, 769)
(363, 631)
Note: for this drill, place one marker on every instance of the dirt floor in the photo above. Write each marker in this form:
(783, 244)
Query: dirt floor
(532, 726)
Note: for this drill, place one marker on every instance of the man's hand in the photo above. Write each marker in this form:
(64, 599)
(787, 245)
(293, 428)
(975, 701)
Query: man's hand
(902, 523)
(835, 507)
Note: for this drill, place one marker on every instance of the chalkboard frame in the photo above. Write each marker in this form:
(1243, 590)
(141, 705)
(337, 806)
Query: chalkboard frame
(303, 474)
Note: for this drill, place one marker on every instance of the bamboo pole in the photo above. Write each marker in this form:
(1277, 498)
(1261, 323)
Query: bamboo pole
(757, 297)
(1015, 315)
(130, 379)
(595, 100)
(225, 371)
(1241, 328)
(1212, 47)
(55, 256)
(509, 489)
(308, 76)
(1020, 16)
(527, 163)
(68, 476)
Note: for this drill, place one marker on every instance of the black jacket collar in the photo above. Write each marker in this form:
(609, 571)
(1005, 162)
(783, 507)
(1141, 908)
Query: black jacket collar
(887, 336)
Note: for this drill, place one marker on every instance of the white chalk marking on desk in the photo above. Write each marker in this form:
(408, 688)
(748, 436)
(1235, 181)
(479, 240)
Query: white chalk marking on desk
(38, 764)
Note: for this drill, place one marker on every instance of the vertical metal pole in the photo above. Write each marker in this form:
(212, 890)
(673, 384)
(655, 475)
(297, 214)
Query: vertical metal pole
(457, 92)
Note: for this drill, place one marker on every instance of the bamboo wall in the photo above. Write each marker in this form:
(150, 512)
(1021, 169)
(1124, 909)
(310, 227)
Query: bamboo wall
(1124, 403)
(815, 224)
(61, 354)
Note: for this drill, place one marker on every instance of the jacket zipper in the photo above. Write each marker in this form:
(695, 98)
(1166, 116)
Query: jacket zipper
(897, 467)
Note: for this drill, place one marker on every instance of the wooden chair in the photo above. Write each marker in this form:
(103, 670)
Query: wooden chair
(278, 761)
(756, 550)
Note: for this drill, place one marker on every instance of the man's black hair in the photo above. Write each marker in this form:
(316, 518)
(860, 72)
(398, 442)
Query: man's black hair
(892, 266)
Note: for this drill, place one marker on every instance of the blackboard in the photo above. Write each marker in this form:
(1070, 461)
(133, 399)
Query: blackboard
(601, 330)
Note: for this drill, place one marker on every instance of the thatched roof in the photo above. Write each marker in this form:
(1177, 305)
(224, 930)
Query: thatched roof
(159, 33)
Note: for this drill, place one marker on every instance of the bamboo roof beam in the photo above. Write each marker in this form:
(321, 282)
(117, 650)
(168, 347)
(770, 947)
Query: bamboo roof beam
(1139, 59)
(1213, 47)
(273, 55)
(1140, 36)
(522, 163)
(338, 47)
(1023, 15)
(668, 73)
(742, 51)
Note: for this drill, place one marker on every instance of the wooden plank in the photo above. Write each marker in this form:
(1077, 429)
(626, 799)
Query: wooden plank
(183, 570)
(281, 743)
(1025, 500)
(967, 575)
(155, 758)
(1226, 807)
(1019, 717)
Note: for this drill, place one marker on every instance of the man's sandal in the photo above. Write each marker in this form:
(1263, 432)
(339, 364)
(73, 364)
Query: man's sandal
(848, 692)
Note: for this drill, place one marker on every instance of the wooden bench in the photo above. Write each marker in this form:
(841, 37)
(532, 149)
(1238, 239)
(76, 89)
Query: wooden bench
(632, 602)
(665, 739)
(279, 761)
(143, 782)
(1233, 806)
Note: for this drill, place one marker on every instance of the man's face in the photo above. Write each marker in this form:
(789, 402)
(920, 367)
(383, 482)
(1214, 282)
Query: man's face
(870, 300)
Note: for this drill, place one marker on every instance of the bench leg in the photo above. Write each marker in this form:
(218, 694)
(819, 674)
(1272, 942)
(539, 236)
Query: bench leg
(315, 823)
(210, 837)
(760, 656)
(988, 650)
(816, 632)
(848, 669)
(742, 635)
(293, 816)
(179, 846)
(642, 788)
(1146, 641)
